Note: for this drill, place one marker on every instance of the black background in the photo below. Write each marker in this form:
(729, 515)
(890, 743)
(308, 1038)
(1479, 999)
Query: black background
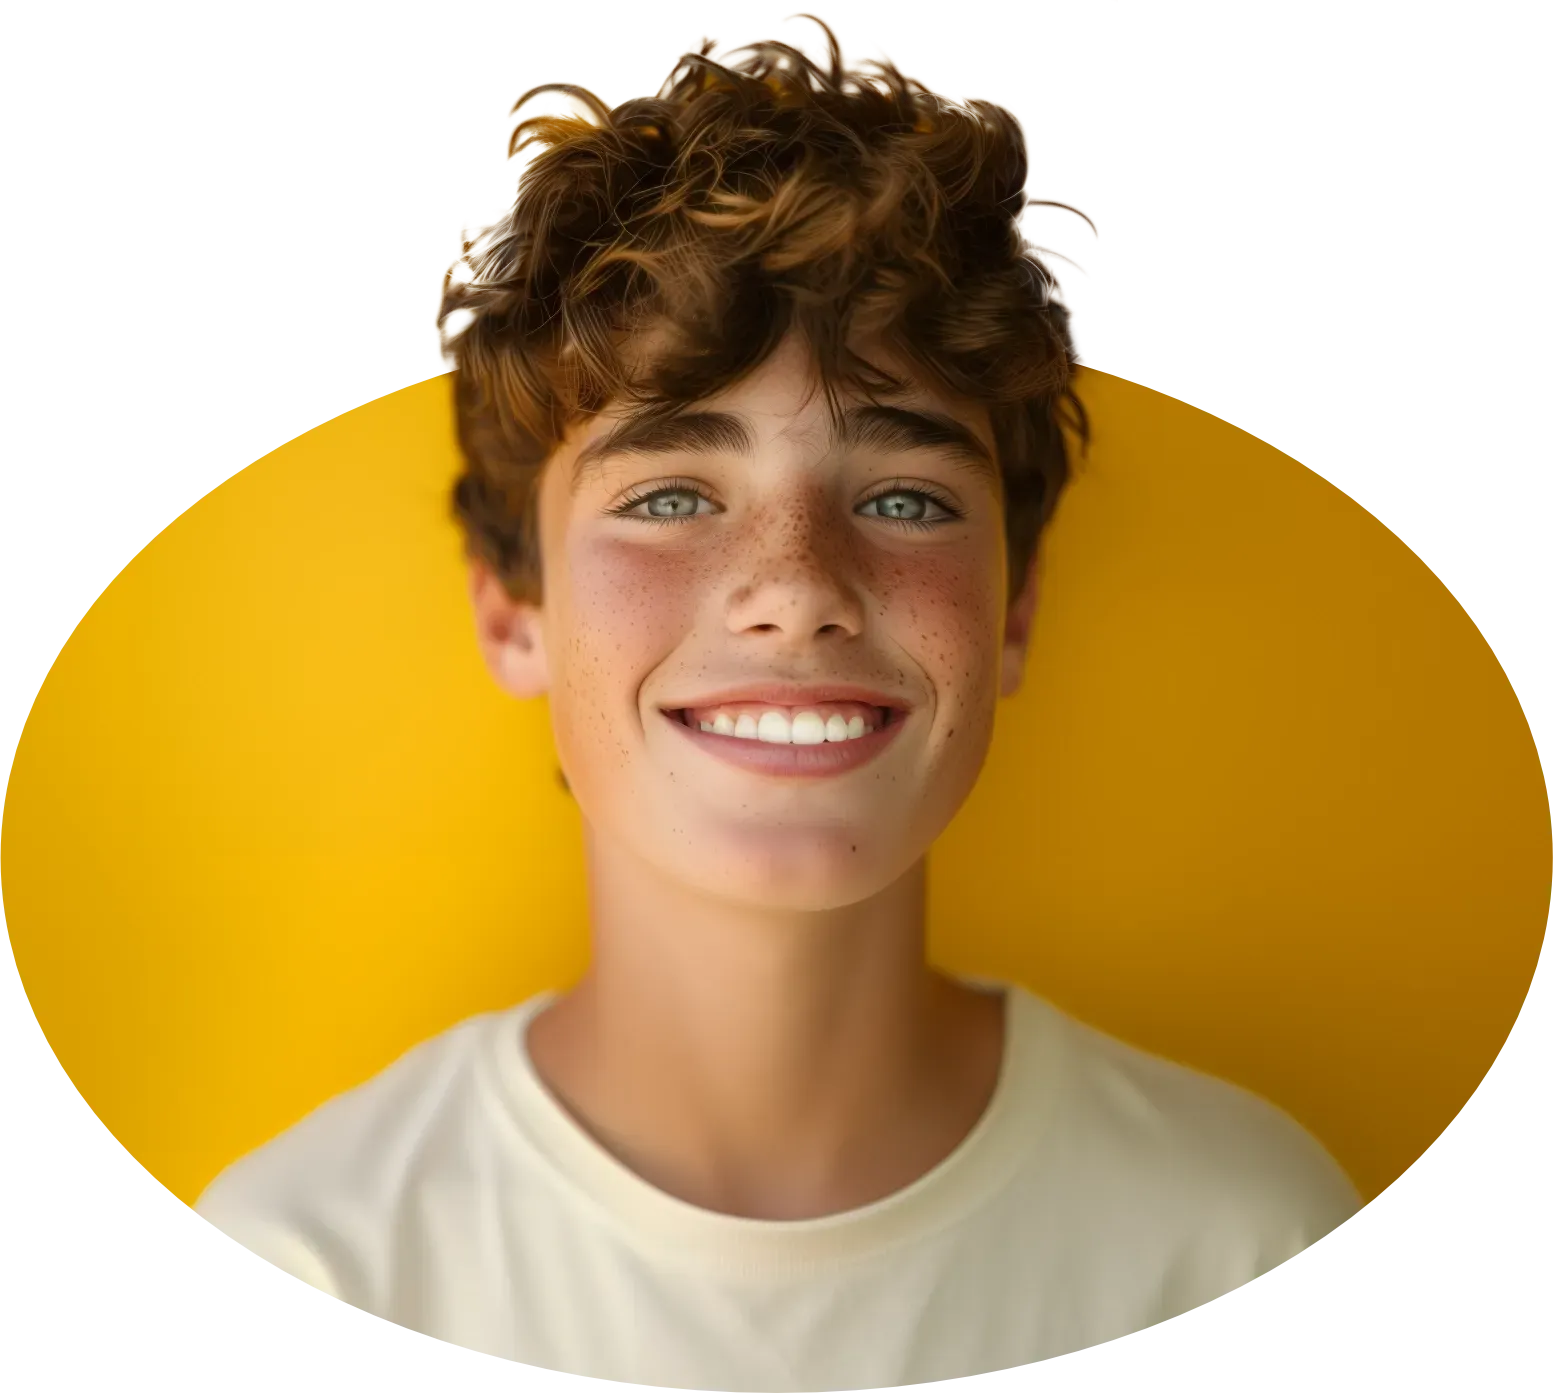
(1328, 225)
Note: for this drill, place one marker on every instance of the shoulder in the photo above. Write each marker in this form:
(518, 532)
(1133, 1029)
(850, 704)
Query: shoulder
(1189, 1150)
(321, 1197)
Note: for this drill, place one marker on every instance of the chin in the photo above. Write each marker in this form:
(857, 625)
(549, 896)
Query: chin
(811, 873)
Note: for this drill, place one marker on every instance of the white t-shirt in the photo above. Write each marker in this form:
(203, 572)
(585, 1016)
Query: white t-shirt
(1103, 1189)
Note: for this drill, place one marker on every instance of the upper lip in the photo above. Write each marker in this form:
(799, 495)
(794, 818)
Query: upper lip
(792, 694)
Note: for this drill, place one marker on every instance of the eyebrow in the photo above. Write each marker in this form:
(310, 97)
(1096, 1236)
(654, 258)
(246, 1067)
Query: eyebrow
(720, 432)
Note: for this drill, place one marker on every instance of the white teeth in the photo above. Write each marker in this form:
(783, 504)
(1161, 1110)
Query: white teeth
(777, 728)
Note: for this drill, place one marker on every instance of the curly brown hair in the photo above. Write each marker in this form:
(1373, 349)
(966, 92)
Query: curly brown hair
(741, 203)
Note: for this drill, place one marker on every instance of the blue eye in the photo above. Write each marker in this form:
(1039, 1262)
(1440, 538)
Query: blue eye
(908, 505)
(664, 504)
(635, 499)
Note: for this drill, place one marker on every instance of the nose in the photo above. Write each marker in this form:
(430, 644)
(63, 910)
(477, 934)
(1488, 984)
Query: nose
(802, 576)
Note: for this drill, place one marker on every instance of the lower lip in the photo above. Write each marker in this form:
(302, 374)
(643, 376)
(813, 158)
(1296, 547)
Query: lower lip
(793, 761)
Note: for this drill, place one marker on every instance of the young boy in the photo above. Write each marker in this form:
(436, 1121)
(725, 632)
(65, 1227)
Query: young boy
(761, 396)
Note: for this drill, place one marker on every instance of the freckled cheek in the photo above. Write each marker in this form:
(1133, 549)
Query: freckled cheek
(626, 608)
(946, 611)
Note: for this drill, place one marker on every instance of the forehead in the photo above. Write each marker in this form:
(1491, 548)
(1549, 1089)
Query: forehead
(787, 379)
(782, 400)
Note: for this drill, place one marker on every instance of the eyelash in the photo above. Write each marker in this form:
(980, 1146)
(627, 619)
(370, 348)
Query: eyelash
(637, 496)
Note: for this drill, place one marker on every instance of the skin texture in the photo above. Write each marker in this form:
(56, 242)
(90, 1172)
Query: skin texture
(758, 1032)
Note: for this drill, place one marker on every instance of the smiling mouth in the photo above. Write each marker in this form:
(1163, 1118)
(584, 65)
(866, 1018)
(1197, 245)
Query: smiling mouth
(887, 716)
(792, 760)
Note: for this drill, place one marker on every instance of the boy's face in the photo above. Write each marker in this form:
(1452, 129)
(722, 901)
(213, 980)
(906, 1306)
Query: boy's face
(746, 561)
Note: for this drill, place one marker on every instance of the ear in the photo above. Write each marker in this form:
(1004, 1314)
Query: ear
(510, 634)
(1016, 635)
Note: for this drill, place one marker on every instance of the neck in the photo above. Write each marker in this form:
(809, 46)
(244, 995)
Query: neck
(771, 1063)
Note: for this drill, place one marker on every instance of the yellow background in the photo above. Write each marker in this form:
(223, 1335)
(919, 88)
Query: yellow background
(1266, 805)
